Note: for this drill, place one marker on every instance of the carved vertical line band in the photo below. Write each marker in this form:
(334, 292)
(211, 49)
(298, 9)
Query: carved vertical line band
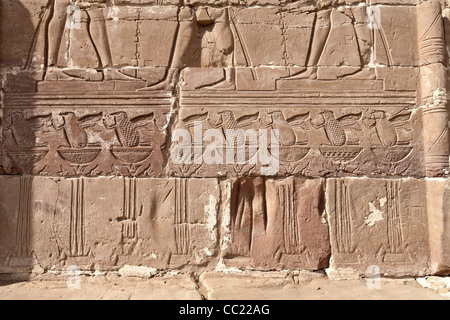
(182, 232)
(291, 226)
(77, 218)
(130, 198)
(129, 225)
(343, 227)
(395, 233)
(23, 219)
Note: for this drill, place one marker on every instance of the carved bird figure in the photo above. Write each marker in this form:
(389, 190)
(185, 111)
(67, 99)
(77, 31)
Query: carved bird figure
(232, 127)
(127, 129)
(334, 128)
(287, 136)
(385, 127)
(74, 128)
(23, 129)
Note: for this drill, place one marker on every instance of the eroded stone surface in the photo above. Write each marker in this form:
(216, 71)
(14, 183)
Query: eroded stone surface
(63, 287)
(314, 93)
(278, 224)
(379, 224)
(107, 223)
(276, 287)
(438, 193)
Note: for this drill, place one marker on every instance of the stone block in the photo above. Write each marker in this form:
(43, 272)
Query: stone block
(107, 223)
(277, 224)
(376, 223)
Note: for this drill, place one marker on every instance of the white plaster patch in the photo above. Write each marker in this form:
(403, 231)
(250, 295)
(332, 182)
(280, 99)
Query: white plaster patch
(383, 202)
(208, 252)
(221, 267)
(137, 271)
(376, 215)
(226, 238)
(113, 13)
(211, 218)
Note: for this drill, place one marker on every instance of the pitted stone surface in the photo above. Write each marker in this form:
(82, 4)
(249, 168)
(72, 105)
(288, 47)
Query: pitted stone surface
(145, 136)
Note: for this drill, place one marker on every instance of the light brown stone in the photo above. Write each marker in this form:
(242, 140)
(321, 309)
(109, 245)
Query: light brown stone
(273, 286)
(379, 223)
(53, 138)
(265, 237)
(438, 219)
(340, 117)
(107, 223)
(167, 287)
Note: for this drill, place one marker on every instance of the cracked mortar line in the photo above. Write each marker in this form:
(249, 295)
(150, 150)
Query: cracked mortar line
(198, 285)
(172, 123)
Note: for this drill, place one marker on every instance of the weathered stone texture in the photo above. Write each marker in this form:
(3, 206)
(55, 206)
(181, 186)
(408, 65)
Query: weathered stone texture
(382, 223)
(106, 223)
(278, 224)
(338, 154)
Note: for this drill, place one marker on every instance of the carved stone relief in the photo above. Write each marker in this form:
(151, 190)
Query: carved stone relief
(378, 222)
(278, 224)
(108, 222)
(262, 134)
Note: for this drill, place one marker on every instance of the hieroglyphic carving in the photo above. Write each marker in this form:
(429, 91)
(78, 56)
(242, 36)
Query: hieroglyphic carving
(340, 81)
(343, 218)
(130, 150)
(378, 222)
(78, 152)
(361, 139)
(266, 237)
(394, 223)
(203, 38)
(25, 151)
(65, 15)
(228, 43)
(23, 231)
(77, 219)
(181, 224)
(77, 142)
(131, 210)
(179, 216)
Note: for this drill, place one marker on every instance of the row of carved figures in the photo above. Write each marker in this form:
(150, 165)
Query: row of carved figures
(333, 125)
(349, 50)
(127, 129)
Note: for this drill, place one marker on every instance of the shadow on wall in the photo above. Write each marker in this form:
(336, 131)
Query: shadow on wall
(18, 40)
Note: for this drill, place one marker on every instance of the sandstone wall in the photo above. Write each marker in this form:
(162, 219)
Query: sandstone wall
(115, 148)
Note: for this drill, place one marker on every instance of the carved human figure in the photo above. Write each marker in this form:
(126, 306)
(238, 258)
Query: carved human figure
(61, 11)
(335, 43)
(194, 24)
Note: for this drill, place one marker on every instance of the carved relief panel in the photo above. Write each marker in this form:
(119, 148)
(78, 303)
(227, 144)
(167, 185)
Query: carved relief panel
(275, 96)
(341, 93)
(378, 222)
(107, 223)
(277, 224)
(341, 84)
(61, 140)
